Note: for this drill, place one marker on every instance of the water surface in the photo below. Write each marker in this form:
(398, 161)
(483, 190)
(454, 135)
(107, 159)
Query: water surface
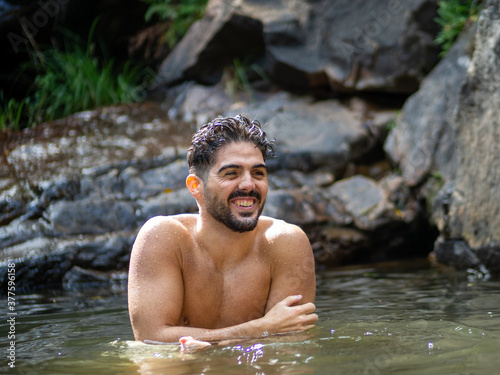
(400, 318)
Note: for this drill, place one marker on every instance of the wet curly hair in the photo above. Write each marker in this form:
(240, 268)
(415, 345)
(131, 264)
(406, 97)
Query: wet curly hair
(222, 131)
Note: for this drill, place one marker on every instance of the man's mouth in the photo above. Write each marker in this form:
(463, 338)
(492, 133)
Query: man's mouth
(244, 202)
(244, 199)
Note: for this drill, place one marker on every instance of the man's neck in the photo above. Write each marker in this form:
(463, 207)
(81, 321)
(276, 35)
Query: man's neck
(224, 245)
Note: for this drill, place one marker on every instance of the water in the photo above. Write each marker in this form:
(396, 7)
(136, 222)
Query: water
(401, 318)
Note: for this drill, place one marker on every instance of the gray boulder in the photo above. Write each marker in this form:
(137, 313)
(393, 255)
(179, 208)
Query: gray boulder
(91, 216)
(474, 206)
(449, 131)
(310, 134)
(343, 45)
(423, 141)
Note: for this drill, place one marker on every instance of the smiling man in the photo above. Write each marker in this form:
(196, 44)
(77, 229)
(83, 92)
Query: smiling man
(226, 272)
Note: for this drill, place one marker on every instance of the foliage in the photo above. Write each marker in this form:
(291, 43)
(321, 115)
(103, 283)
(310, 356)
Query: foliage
(75, 80)
(181, 14)
(437, 176)
(391, 125)
(453, 16)
(70, 81)
(12, 112)
(237, 77)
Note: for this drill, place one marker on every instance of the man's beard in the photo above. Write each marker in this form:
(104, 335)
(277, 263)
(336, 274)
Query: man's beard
(221, 211)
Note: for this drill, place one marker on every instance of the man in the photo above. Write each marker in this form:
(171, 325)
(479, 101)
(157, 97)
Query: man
(226, 272)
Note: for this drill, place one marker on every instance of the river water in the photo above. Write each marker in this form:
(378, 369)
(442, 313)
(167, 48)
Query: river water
(394, 318)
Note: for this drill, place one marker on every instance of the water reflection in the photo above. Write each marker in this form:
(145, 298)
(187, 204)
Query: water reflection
(251, 357)
(373, 320)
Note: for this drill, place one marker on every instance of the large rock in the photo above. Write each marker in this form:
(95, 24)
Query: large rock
(423, 141)
(211, 43)
(90, 216)
(310, 134)
(45, 264)
(38, 165)
(355, 219)
(352, 45)
(343, 45)
(449, 131)
(474, 209)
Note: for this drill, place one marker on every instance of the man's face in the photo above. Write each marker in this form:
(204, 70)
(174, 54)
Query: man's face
(236, 187)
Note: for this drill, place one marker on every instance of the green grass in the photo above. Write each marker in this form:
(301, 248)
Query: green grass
(181, 14)
(74, 80)
(68, 81)
(237, 77)
(453, 16)
(12, 112)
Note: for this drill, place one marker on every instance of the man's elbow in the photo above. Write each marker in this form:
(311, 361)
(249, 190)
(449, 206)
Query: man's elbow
(163, 334)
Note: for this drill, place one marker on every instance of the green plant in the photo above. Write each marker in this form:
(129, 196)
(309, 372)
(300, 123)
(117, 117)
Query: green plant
(181, 14)
(453, 16)
(391, 125)
(237, 76)
(14, 114)
(237, 79)
(11, 112)
(69, 81)
(75, 80)
(437, 176)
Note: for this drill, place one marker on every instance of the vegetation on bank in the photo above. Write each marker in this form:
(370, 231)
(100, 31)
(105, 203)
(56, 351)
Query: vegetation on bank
(75, 78)
(68, 81)
(453, 16)
(180, 14)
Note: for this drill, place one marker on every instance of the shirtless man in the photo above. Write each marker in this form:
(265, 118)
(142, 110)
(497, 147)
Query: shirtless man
(226, 272)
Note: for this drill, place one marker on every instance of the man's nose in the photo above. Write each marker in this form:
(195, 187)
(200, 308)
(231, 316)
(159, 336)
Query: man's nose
(246, 183)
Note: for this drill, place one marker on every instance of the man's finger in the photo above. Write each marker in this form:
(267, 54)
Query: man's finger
(290, 300)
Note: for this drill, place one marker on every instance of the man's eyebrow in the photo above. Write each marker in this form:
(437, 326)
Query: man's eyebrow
(236, 166)
(229, 166)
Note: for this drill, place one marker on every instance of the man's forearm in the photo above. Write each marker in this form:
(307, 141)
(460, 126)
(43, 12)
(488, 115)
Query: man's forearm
(286, 316)
(252, 329)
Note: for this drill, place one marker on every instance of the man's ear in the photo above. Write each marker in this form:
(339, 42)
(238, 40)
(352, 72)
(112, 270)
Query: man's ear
(193, 184)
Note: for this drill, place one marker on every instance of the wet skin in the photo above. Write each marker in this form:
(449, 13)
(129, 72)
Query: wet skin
(201, 277)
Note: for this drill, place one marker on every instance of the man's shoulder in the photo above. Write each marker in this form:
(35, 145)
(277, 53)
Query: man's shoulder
(279, 231)
(285, 242)
(165, 227)
(171, 220)
(279, 226)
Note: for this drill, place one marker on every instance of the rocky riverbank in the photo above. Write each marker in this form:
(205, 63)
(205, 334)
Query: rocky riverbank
(371, 168)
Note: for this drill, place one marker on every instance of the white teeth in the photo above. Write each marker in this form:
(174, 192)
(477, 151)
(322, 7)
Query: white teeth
(244, 203)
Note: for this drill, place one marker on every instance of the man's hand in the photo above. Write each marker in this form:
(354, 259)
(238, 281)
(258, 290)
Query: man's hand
(285, 317)
(189, 344)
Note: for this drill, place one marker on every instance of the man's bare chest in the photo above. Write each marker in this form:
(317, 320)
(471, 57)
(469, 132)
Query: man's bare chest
(215, 297)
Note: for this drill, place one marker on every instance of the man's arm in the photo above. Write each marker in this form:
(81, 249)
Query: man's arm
(156, 293)
(293, 270)
(155, 286)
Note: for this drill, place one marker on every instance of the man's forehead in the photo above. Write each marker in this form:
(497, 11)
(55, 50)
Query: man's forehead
(238, 152)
